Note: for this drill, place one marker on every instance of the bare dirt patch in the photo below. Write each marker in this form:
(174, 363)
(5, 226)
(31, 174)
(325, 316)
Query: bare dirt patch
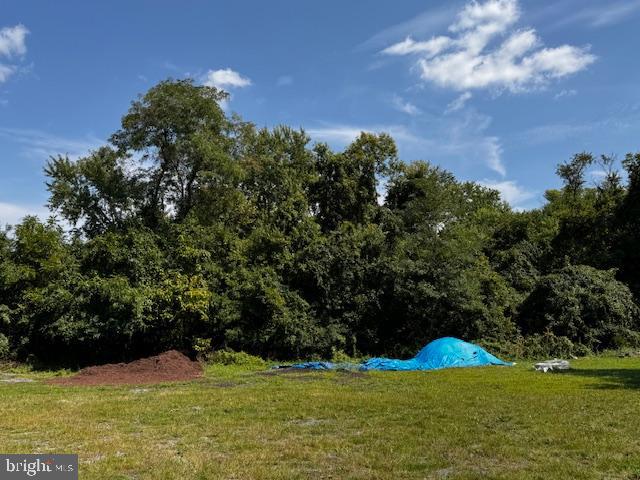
(171, 366)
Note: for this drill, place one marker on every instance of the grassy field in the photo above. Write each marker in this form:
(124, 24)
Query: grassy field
(240, 424)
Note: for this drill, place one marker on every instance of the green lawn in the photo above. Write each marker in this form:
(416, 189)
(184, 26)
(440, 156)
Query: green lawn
(462, 423)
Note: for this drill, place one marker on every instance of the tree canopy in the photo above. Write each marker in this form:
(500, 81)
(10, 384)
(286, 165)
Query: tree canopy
(192, 226)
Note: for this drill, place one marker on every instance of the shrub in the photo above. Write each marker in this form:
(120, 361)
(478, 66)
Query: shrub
(339, 356)
(227, 356)
(202, 347)
(4, 347)
(535, 347)
(273, 320)
(587, 306)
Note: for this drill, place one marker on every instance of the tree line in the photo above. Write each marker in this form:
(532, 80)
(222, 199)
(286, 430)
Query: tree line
(192, 227)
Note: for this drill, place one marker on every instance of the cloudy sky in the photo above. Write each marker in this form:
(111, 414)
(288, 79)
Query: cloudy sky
(497, 91)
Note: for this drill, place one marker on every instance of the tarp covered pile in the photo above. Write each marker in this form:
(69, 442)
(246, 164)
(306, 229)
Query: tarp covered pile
(447, 352)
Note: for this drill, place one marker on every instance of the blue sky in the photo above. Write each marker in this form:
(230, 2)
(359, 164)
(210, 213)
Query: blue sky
(498, 91)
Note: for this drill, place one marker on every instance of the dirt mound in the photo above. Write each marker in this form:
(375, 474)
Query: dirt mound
(169, 366)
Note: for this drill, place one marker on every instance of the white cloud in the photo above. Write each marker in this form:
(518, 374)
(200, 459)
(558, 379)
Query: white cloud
(554, 132)
(6, 71)
(42, 145)
(12, 44)
(424, 23)
(12, 214)
(602, 14)
(473, 148)
(510, 192)
(284, 81)
(611, 13)
(621, 119)
(342, 135)
(486, 51)
(225, 79)
(494, 155)
(458, 103)
(455, 142)
(404, 106)
(12, 41)
(429, 47)
(464, 136)
(488, 18)
(565, 93)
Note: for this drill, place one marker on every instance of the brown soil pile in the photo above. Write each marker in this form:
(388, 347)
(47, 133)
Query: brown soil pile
(171, 366)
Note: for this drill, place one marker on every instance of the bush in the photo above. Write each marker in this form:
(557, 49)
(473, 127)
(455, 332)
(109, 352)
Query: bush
(587, 306)
(535, 347)
(202, 347)
(230, 357)
(548, 345)
(4, 347)
(339, 356)
(273, 320)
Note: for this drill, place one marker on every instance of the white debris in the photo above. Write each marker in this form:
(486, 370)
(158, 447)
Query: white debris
(17, 380)
(139, 390)
(551, 365)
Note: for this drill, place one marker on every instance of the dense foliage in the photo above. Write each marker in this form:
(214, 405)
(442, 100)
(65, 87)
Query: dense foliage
(192, 228)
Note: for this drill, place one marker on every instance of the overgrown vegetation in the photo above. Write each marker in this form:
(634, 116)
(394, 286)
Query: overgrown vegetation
(191, 226)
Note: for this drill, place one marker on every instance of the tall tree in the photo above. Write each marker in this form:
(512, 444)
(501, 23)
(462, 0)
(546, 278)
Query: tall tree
(174, 143)
(629, 225)
(168, 126)
(347, 187)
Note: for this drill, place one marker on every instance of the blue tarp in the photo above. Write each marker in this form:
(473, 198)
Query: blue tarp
(447, 352)
(315, 365)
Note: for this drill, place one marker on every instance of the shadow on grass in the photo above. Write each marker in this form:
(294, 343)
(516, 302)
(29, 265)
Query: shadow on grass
(609, 378)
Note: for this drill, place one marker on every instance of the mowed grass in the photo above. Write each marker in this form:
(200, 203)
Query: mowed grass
(239, 424)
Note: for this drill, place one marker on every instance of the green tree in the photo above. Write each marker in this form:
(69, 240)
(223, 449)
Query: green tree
(588, 306)
(347, 187)
(95, 192)
(628, 225)
(197, 228)
(174, 144)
